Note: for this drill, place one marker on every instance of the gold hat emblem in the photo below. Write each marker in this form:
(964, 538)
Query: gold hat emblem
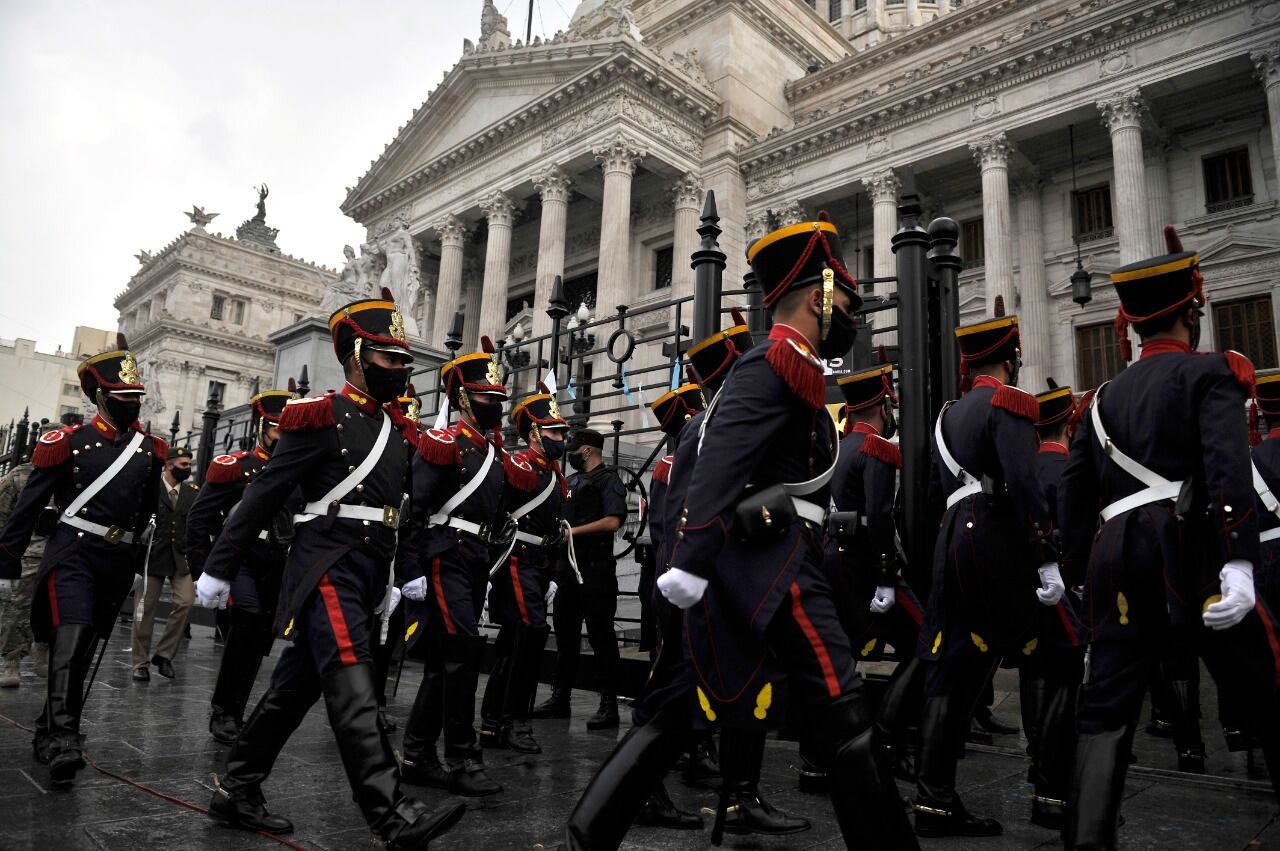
(129, 369)
(552, 408)
(397, 325)
(491, 373)
(411, 410)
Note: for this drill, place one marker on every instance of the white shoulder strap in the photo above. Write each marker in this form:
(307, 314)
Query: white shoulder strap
(949, 461)
(356, 476)
(820, 480)
(442, 516)
(537, 500)
(107, 475)
(1148, 477)
(1269, 501)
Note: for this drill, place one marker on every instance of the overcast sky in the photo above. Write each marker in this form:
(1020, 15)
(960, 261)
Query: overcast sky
(119, 115)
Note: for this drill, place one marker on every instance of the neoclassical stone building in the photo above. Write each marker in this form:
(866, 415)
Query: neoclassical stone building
(198, 314)
(587, 155)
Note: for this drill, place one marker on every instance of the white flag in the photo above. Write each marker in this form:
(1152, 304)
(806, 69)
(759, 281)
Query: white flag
(550, 381)
(442, 418)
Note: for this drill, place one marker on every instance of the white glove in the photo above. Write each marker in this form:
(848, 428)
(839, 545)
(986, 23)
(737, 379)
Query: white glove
(1237, 596)
(416, 589)
(393, 594)
(551, 592)
(1051, 585)
(7, 587)
(884, 599)
(212, 592)
(681, 588)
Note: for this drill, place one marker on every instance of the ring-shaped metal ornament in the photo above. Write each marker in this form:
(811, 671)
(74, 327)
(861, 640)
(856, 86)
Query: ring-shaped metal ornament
(627, 351)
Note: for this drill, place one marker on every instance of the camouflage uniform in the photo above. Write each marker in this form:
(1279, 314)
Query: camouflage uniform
(15, 612)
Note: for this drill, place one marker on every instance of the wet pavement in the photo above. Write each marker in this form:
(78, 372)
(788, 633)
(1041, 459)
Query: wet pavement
(156, 734)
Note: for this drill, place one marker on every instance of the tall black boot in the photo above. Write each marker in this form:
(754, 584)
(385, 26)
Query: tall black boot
(462, 755)
(521, 687)
(614, 797)
(742, 759)
(1097, 786)
(238, 799)
(1054, 756)
(701, 763)
(606, 717)
(492, 716)
(69, 659)
(661, 811)
(1185, 705)
(863, 792)
(421, 763)
(1031, 691)
(939, 811)
(899, 710)
(371, 765)
(227, 704)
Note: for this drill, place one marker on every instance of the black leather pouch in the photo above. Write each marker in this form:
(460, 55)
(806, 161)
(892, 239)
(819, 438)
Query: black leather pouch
(766, 515)
(843, 525)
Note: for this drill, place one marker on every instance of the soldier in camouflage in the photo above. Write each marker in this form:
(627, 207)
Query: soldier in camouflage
(15, 612)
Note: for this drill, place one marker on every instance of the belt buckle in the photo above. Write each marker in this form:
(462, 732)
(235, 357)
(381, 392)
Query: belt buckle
(113, 535)
(391, 516)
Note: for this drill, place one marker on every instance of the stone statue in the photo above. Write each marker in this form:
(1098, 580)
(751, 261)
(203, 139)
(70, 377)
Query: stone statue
(153, 406)
(355, 281)
(263, 191)
(494, 34)
(401, 274)
(624, 20)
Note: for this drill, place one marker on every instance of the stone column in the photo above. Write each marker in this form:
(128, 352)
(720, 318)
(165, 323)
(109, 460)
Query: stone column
(883, 188)
(499, 210)
(991, 153)
(1267, 61)
(944, 6)
(449, 287)
(1033, 313)
(686, 193)
(790, 213)
(1122, 115)
(1156, 177)
(471, 307)
(618, 158)
(553, 184)
(913, 13)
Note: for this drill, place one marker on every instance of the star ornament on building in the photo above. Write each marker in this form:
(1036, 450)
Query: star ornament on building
(199, 217)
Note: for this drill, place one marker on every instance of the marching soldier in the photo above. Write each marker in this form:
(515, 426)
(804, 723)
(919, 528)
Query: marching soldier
(351, 461)
(516, 601)
(1052, 661)
(1163, 448)
(875, 603)
(104, 479)
(747, 560)
(459, 476)
(993, 541)
(255, 590)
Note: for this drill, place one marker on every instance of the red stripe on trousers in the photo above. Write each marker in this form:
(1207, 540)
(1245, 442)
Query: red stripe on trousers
(53, 600)
(912, 610)
(444, 607)
(1066, 624)
(338, 622)
(815, 641)
(515, 583)
(1271, 637)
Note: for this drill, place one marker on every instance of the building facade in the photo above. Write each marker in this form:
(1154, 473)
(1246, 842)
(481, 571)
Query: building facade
(1044, 127)
(45, 385)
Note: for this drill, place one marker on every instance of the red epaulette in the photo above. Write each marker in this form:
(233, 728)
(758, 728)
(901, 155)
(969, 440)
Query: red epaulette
(662, 470)
(53, 447)
(875, 446)
(309, 414)
(520, 473)
(1242, 368)
(407, 427)
(798, 367)
(225, 469)
(161, 447)
(440, 446)
(1017, 402)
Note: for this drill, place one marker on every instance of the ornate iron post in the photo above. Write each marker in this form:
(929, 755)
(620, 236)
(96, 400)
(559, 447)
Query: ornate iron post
(209, 425)
(708, 272)
(304, 383)
(557, 309)
(174, 427)
(944, 235)
(20, 438)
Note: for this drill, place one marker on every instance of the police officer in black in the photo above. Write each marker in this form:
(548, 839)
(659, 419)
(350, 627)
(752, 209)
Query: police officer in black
(255, 589)
(595, 509)
(104, 478)
(351, 460)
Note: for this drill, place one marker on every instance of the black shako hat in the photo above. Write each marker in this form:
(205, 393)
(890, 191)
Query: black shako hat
(711, 358)
(1267, 387)
(989, 341)
(115, 371)
(676, 407)
(373, 323)
(1156, 287)
(541, 410)
(800, 256)
(1057, 404)
(868, 387)
(478, 372)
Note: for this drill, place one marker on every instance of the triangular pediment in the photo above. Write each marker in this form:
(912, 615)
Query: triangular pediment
(1238, 245)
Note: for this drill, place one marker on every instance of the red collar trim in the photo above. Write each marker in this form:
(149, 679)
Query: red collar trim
(262, 453)
(1274, 434)
(987, 381)
(360, 398)
(472, 433)
(781, 332)
(1164, 347)
(106, 429)
(865, 428)
(1053, 446)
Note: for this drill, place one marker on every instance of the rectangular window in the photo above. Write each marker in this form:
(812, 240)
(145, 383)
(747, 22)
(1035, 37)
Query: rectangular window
(1228, 182)
(70, 389)
(218, 307)
(63, 410)
(662, 267)
(1091, 213)
(835, 12)
(1247, 326)
(237, 312)
(1097, 355)
(859, 4)
(219, 388)
(970, 248)
(582, 290)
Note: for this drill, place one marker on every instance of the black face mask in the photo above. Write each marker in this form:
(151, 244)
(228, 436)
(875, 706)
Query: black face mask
(840, 337)
(487, 414)
(180, 474)
(553, 449)
(578, 462)
(122, 414)
(890, 424)
(385, 385)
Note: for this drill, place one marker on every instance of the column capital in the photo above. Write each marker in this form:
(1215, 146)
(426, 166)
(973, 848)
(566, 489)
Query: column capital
(498, 208)
(1267, 63)
(553, 183)
(883, 186)
(686, 192)
(1123, 111)
(757, 225)
(620, 154)
(451, 231)
(992, 151)
(790, 213)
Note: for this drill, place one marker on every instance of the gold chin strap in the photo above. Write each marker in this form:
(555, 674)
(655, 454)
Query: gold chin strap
(262, 431)
(464, 403)
(828, 300)
(356, 354)
(535, 433)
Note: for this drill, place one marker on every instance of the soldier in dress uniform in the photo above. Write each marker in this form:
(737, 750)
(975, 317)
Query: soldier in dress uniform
(874, 601)
(459, 477)
(995, 537)
(104, 478)
(1168, 562)
(747, 560)
(255, 590)
(351, 461)
(516, 601)
(1052, 661)
(1266, 460)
